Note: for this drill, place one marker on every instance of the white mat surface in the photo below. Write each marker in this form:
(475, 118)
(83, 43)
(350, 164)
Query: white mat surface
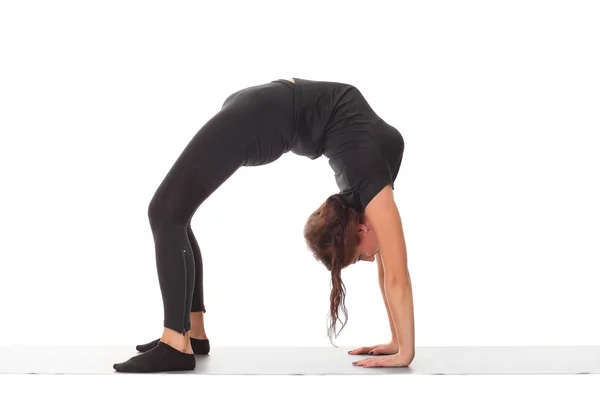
(312, 360)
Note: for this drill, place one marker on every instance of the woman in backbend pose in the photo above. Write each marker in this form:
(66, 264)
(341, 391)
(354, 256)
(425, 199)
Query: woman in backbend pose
(256, 126)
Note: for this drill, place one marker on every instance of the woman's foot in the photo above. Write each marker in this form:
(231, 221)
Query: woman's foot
(198, 339)
(172, 353)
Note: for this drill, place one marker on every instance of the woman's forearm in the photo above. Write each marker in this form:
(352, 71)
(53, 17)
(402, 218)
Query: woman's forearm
(385, 301)
(400, 302)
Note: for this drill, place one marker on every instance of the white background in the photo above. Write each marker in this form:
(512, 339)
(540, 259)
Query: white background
(498, 191)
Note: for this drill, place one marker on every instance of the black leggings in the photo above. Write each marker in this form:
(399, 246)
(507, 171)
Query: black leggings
(255, 126)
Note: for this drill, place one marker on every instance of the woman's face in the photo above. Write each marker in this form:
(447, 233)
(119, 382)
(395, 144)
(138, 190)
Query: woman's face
(368, 246)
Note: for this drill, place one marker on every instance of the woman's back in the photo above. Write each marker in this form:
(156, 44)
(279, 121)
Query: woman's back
(335, 120)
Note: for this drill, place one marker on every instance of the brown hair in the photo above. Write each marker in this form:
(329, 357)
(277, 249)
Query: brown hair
(332, 236)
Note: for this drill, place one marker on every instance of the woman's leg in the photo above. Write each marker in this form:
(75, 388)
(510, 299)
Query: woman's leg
(197, 330)
(253, 127)
(211, 157)
(198, 297)
(198, 338)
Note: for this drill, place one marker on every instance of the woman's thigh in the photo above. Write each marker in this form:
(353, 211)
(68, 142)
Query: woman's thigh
(254, 127)
(215, 152)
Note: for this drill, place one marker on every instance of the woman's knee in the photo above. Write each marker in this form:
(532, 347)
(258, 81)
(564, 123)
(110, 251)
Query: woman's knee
(156, 212)
(163, 210)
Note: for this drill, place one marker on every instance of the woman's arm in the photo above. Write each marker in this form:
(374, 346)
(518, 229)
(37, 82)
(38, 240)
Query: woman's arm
(385, 218)
(381, 275)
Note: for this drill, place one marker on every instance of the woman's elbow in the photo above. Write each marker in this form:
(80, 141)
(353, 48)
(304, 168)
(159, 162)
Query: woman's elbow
(396, 281)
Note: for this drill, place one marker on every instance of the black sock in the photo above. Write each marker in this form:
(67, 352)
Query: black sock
(200, 346)
(142, 348)
(161, 358)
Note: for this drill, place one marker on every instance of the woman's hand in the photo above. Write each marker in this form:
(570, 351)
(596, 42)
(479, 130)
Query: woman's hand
(390, 348)
(397, 360)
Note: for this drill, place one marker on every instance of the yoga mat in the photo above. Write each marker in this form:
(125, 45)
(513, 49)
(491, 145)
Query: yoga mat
(289, 360)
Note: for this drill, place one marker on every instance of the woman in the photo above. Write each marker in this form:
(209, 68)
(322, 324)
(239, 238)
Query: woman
(256, 126)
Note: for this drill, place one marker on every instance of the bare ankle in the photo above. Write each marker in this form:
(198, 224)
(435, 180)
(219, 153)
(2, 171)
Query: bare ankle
(198, 335)
(197, 330)
(177, 340)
